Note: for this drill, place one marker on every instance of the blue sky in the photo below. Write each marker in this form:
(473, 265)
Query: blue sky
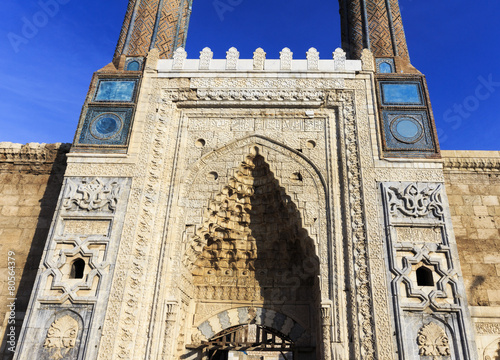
(45, 77)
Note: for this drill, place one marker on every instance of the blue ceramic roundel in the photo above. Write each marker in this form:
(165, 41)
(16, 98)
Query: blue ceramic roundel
(407, 129)
(106, 126)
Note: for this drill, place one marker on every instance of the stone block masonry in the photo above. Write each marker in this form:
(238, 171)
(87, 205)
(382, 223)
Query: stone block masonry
(30, 181)
(473, 187)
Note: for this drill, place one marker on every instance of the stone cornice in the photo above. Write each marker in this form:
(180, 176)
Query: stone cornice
(32, 157)
(32, 152)
(484, 161)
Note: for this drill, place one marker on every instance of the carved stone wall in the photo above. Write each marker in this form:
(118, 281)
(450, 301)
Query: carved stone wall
(31, 176)
(66, 310)
(429, 294)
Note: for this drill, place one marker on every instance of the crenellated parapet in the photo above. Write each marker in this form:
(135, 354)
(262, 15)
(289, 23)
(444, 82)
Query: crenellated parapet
(313, 63)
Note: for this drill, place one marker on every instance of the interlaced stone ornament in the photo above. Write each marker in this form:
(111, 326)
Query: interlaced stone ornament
(416, 200)
(95, 195)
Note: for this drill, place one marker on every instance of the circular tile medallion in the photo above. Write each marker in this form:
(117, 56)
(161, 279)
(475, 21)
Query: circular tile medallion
(106, 126)
(407, 129)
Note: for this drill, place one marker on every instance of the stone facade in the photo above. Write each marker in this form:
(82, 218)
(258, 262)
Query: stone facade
(216, 206)
(30, 182)
(250, 197)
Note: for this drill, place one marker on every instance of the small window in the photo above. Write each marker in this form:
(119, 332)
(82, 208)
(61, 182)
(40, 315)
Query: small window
(424, 277)
(77, 269)
(385, 68)
(133, 66)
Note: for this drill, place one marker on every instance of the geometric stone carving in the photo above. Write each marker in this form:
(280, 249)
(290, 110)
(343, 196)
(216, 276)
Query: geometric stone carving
(312, 59)
(59, 285)
(232, 56)
(339, 59)
(180, 56)
(87, 227)
(286, 57)
(432, 341)
(419, 234)
(61, 337)
(206, 56)
(98, 194)
(415, 200)
(259, 59)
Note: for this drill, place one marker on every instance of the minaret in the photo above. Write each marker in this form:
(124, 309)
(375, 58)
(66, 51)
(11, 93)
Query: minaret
(375, 25)
(149, 24)
(402, 94)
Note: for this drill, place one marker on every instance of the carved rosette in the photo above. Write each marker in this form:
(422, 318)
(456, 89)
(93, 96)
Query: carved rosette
(433, 341)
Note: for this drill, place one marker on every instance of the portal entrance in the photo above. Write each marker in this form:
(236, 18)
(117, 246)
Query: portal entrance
(250, 342)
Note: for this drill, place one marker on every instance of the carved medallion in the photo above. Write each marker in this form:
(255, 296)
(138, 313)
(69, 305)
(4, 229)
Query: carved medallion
(432, 341)
(61, 337)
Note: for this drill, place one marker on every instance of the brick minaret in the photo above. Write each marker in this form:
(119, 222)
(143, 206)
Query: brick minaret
(148, 24)
(376, 25)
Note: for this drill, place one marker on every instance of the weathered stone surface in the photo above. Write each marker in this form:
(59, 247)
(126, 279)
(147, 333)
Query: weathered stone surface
(31, 176)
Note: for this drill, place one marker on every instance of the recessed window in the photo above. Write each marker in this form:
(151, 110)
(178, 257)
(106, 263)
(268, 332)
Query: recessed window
(77, 269)
(424, 276)
(385, 68)
(133, 66)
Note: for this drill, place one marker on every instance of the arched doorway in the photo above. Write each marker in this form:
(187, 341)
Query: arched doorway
(256, 252)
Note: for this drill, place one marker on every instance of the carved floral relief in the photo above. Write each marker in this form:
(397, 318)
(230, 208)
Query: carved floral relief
(433, 341)
(61, 337)
(415, 200)
(95, 195)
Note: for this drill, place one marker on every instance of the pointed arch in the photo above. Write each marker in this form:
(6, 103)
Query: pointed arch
(268, 145)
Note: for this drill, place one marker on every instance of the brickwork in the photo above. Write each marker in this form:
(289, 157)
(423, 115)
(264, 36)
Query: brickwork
(154, 23)
(473, 188)
(30, 181)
